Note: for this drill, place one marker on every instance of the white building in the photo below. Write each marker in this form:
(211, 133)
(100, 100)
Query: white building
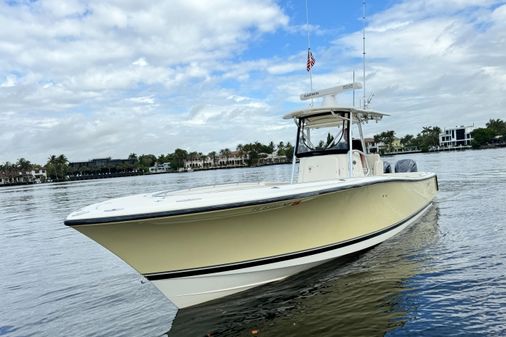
(14, 177)
(160, 168)
(234, 159)
(457, 136)
(272, 158)
(39, 175)
(198, 163)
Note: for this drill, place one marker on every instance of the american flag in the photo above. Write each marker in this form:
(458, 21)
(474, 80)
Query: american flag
(310, 60)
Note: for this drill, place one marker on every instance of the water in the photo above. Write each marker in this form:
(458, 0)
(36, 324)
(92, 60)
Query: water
(443, 276)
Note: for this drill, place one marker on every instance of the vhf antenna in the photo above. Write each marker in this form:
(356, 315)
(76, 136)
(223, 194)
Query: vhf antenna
(364, 102)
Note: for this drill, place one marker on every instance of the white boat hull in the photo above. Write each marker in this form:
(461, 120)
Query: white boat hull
(193, 290)
(202, 244)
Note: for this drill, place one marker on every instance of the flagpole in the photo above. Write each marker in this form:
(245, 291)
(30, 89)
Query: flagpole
(309, 51)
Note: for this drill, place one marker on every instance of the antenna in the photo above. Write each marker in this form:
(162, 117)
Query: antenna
(370, 99)
(363, 53)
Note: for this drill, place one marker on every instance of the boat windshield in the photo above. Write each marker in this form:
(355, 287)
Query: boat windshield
(328, 137)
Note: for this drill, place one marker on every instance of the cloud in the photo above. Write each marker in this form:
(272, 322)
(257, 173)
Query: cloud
(81, 77)
(108, 78)
(436, 63)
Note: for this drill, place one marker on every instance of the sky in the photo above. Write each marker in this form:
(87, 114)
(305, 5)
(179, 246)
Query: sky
(108, 78)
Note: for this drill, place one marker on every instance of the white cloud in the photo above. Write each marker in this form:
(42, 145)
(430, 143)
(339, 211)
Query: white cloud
(10, 81)
(81, 77)
(284, 68)
(112, 77)
(436, 63)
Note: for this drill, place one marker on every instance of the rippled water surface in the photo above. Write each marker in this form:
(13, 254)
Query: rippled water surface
(444, 276)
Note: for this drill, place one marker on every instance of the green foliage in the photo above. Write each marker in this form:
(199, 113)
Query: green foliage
(387, 138)
(57, 167)
(271, 147)
(428, 138)
(497, 127)
(494, 132)
(178, 158)
(482, 136)
(146, 161)
(18, 172)
(288, 150)
(408, 141)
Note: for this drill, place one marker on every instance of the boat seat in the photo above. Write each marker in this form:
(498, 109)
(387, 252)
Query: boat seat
(357, 145)
(375, 163)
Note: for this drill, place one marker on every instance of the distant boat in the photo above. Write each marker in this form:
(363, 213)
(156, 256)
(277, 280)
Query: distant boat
(204, 243)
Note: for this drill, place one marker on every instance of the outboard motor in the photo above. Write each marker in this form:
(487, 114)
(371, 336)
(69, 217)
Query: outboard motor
(406, 165)
(387, 168)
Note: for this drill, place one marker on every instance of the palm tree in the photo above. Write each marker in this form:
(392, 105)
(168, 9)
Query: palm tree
(24, 165)
(9, 171)
(212, 155)
(497, 126)
(51, 167)
(62, 164)
(271, 147)
(225, 153)
(180, 156)
(386, 137)
(407, 139)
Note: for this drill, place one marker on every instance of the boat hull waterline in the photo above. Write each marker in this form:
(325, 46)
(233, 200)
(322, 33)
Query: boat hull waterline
(211, 253)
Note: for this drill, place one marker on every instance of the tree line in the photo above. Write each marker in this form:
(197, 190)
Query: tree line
(252, 151)
(58, 168)
(493, 132)
(424, 140)
(10, 170)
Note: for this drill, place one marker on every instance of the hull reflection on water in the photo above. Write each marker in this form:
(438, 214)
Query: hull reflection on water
(358, 295)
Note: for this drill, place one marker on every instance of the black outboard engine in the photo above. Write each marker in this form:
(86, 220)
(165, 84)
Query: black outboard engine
(406, 165)
(387, 168)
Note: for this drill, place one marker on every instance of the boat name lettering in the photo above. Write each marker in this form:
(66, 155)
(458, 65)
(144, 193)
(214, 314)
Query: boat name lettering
(311, 94)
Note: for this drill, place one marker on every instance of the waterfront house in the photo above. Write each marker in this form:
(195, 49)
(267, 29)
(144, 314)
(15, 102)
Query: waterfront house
(371, 146)
(160, 168)
(16, 177)
(233, 159)
(457, 136)
(39, 175)
(272, 158)
(102, 167)
(198, 163)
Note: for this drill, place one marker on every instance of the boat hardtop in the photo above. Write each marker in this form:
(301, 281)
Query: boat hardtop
(357, 113)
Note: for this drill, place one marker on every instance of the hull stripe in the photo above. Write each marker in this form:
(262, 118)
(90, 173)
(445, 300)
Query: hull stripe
(277, 258)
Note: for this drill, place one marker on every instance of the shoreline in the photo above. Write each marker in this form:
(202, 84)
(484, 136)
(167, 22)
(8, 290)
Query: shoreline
(132, 174)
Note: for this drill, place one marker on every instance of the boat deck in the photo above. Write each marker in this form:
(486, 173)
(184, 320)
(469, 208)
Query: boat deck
(219, 197)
